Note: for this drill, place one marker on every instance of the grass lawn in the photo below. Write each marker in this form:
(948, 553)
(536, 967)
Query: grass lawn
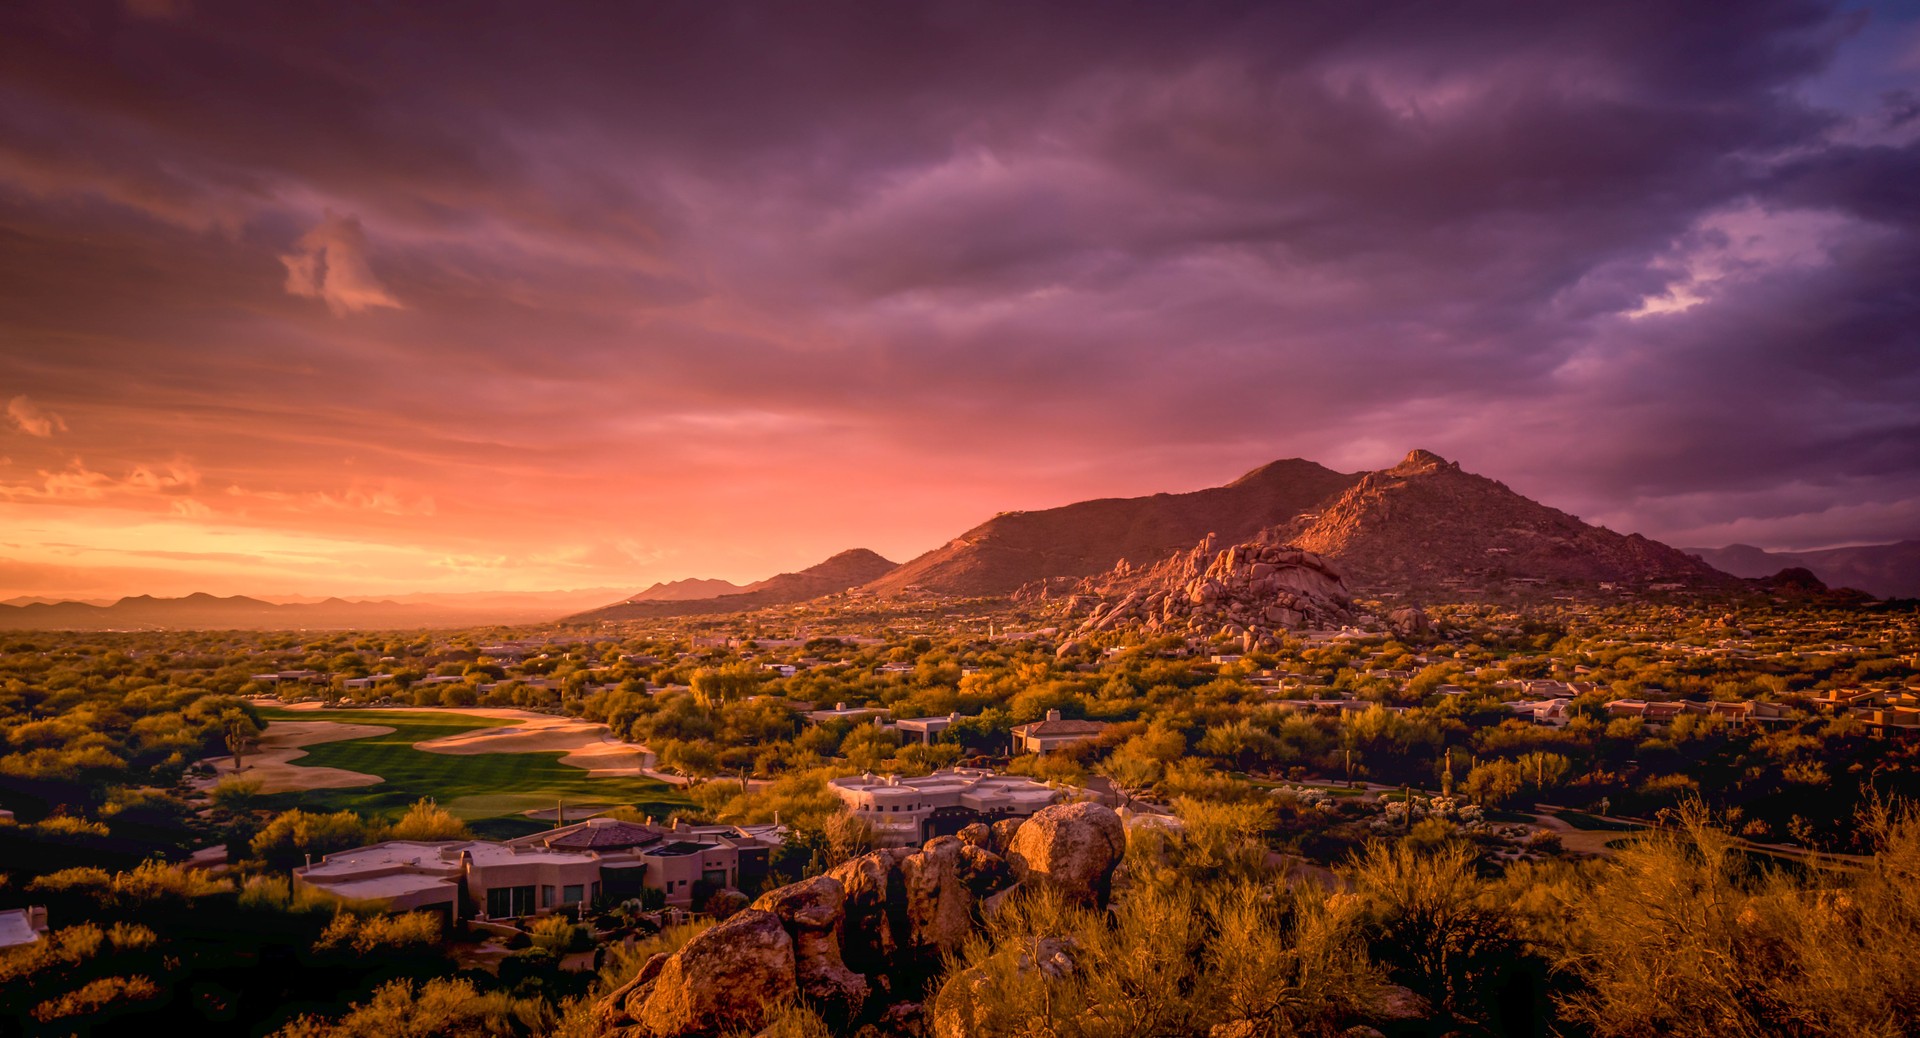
(489, 785)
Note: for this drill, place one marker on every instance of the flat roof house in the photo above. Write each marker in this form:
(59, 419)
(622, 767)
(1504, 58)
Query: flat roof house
(547, 871)
(926, 727)
(20, 927)
(906, 812)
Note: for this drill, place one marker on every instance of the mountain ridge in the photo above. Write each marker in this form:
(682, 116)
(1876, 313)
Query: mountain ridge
(1884, 570)
(1422, 526)
(1015, 548)
(840, 572)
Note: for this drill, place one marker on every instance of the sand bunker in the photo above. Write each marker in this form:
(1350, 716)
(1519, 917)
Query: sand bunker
(588, 746)
(271, 762)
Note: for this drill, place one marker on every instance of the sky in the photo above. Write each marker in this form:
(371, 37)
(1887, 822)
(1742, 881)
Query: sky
(345, 299)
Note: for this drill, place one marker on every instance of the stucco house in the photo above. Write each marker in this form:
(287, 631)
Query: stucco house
(549, 871)
(906, 812)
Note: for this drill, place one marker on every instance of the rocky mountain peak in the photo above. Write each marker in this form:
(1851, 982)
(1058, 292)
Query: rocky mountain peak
(1422, 462)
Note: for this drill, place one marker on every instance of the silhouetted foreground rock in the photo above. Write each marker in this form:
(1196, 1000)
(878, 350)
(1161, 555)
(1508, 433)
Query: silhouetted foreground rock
(861, 942)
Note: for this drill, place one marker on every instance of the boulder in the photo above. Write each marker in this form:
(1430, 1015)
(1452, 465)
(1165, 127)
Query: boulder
(1070, 848)
(1003, 831)
(1410, 622)
(939, 903)
(722, 904)
(616, 1010)
(977, 835)
(965, 1006)
(874, 899)
(984, 872)
(812, 911)
(728, 978)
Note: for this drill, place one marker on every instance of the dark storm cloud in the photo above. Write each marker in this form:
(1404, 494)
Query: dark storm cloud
(1651, 261)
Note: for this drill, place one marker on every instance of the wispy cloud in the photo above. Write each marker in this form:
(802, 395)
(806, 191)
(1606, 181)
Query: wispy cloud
(330, 263)
(30, 419)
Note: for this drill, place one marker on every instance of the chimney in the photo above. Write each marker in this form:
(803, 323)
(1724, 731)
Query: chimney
(1053, 715)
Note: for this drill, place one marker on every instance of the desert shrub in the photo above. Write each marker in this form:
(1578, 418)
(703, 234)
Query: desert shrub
(427, 821)
(377, 933)
(559, 935)
(1682, 936)
(435, 1008)
(1426, 916)
(1229, 957)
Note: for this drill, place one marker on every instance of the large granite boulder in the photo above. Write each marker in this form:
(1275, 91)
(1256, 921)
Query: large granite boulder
(812, 911)
(1410, 622)
(874, 921)
(1071, 849)
(871, 932)
(728, 978)
(938, 901)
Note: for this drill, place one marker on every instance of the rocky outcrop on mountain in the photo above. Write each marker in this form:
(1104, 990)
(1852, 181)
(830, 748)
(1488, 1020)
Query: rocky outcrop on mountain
(1249, 591)
(1086, 539)
(1425, 528)
(846, 570)
(860, 942)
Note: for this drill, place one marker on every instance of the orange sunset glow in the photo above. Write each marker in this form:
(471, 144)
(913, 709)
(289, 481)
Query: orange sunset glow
(351, 306)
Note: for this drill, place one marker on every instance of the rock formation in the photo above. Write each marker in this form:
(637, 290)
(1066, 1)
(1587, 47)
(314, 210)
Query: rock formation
(811, 911)
(860, 942)
(722, 980)
(1071, 849)
(1427, 528)
(1410, 622)
(1248, 591)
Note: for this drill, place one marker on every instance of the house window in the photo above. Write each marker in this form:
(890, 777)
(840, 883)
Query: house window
(546, 896)
(503, 902)
(572, 893)
(594, 894)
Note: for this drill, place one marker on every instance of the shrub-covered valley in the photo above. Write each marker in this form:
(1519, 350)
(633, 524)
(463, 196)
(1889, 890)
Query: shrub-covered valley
(1677, 817)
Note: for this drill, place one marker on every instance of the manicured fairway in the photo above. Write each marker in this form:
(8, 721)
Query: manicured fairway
(472, 786)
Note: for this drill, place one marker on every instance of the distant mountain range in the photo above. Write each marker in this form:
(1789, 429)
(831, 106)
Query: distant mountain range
(239, 612)
(1882, 570)
(1422, 527)
(203, 611)
(849, 569)
(688, 590)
